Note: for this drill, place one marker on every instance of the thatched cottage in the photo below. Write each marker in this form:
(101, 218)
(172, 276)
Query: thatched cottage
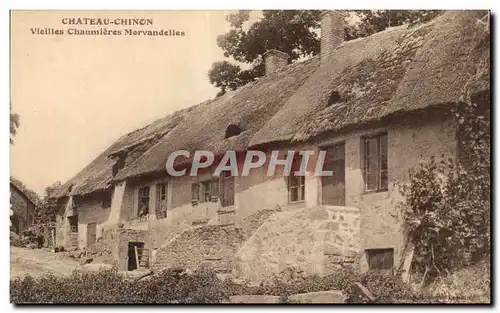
(379, 105)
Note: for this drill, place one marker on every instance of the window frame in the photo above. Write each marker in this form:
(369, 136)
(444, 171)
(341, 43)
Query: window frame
(203, 191)
(380, 253)
(159, 195)
(332, 160)
(301, 183)
(207, 189)
(381, 156)
(141, 196)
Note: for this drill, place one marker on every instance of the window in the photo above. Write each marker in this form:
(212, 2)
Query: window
(375, 162)
(210, 188)
(195, 193)
(143, 201)
(227, 189)
(73, 223)
(296, 184)
(334, 97)
(161, 200)
(380, 259)
(333, 187)
(232, 130)
(119, 164)
(106, 200)
(221, 188)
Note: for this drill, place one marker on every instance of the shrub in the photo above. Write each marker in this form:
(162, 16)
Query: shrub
(447, 203)
(108, 286)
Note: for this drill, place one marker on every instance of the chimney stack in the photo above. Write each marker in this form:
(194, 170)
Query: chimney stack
(332, 32)
(275, 60)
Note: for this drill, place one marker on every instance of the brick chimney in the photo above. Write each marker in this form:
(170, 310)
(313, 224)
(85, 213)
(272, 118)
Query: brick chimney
(274, 60)
(332, 32)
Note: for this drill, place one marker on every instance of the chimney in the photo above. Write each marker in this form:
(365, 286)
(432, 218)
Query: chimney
(332, 32)
(275, 60)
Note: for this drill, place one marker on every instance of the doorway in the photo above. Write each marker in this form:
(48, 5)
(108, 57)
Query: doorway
(133, 258)
(73, 230)
(91, 234)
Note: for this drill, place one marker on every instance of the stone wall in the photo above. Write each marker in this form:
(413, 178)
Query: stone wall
(60, 221)
(91, 211)
(308, 241)
(210, 244)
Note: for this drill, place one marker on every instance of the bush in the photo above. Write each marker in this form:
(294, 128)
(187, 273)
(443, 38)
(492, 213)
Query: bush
(447, 203)
(203, 286)
(108, 286)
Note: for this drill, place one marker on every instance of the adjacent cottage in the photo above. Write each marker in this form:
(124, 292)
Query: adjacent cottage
(378, 106)
(23, 205)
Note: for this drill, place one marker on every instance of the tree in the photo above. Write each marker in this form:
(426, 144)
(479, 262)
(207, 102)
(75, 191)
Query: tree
(295, 32)
(290, 31)
(47, 209)
(14, 124)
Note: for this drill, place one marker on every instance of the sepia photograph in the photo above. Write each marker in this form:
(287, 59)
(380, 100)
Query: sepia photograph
(250, 157)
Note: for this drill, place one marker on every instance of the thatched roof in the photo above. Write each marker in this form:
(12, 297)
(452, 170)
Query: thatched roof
(248, 108)
(399, 70)
(98, 174)
(28, 193)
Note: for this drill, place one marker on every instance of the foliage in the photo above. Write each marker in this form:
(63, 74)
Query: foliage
(203, 286)
(108, 286)
(447, 205)
(294, 32)
(14, 124)
(47, 210)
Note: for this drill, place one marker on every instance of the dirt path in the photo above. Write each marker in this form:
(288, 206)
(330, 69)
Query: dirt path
(38, 261)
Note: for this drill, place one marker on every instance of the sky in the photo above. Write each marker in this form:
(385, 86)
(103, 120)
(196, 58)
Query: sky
(77, 94)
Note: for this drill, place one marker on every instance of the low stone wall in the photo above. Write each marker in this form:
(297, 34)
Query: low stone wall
(210, 244)
(304, 242)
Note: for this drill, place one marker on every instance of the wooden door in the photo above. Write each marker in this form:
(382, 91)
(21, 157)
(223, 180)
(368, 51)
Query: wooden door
(333, 187)
(91, 234)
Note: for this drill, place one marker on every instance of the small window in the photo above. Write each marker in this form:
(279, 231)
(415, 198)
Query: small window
(380, 259)
(227, 189)
(210, 189)
(161, 200)
(106, 200)
(143, 201)
(375, 162)
(195, 193)
(333, 187)
(119, 164)
(296, 183)
(232, 130)
(334, 98)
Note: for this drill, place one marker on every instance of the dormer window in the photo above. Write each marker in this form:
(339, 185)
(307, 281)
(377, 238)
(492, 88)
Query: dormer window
(334, 98)
(232, 130)
(119, 164)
